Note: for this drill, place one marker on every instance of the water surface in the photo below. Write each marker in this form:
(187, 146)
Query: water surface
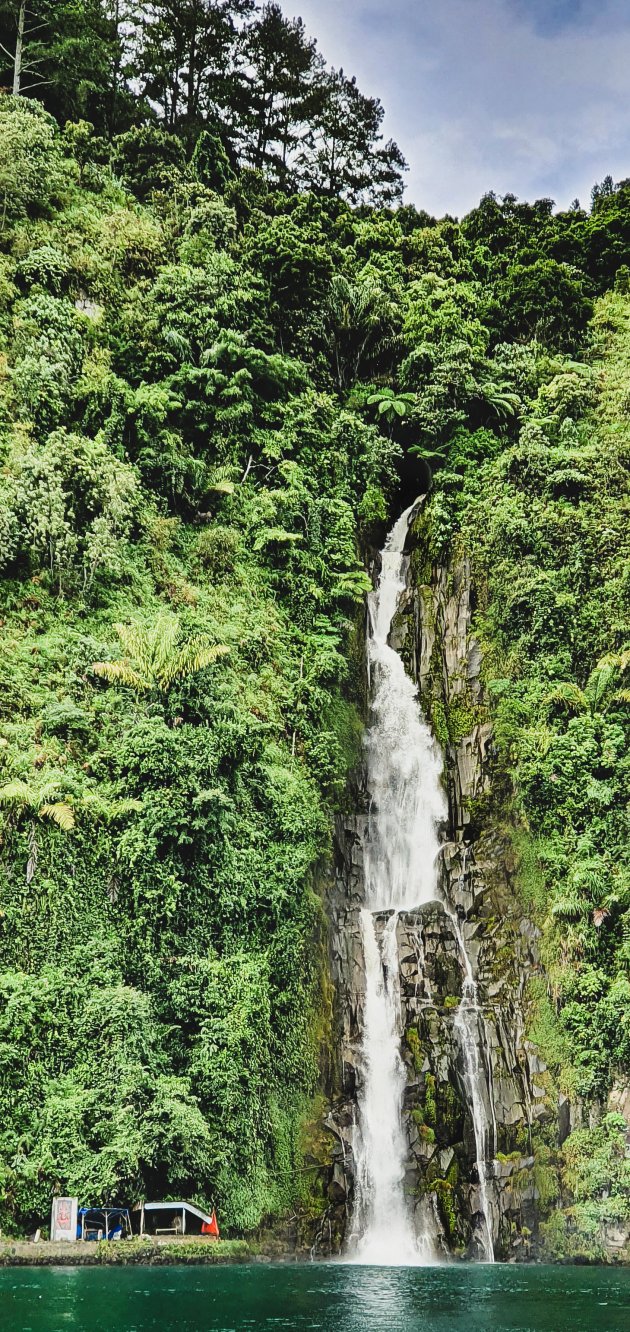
(316, 1298)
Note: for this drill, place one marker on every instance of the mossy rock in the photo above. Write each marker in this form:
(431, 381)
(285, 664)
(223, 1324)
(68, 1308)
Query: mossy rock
(430, 1106)
(449, 1113)
(446, 1207)
(414, 1046)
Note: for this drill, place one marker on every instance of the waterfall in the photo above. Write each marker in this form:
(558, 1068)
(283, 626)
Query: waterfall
(400, 853)
(381, 1216)
(467, 1025)
(470, 1028)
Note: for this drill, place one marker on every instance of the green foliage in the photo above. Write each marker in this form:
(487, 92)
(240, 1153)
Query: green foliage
(214, 374)
(446, 1208)
(70, 506)
(595, 1175)
(147, 158)
(155, 658)
(553, 623)
(123, 67)
(390, 404)
(430, 1107)
(542, 299)
(32, 175)
(176, 488)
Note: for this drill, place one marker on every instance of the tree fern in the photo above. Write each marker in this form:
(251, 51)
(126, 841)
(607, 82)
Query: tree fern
(569, 695)
(24, 799)
(154, 657)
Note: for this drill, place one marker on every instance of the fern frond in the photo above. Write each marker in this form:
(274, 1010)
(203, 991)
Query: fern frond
(14, 793)
(620, 660)
(220, 480)
(108, 810)
(598, 684)
(177, 343)
(120, 672)
(159, 645)
(132, 639)
(568, 907)
(570, 695)
(59, 813)
(156, 658)
(193, 656)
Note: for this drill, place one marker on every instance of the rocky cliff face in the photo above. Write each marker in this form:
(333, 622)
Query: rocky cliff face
(435, 636)
(433, 632)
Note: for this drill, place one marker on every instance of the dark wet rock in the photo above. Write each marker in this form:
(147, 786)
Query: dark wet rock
(432, 630)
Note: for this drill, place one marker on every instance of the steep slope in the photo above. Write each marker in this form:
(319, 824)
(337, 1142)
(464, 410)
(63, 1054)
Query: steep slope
(212, 401)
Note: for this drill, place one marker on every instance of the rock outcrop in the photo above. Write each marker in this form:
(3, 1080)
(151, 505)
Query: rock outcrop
(480, 903)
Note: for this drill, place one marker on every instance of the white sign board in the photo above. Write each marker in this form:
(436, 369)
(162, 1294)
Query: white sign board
(63, 1220)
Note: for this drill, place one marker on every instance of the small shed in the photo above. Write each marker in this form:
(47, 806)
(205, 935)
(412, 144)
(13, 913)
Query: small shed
(177, 1218)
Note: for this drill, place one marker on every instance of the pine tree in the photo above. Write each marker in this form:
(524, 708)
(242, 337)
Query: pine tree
(282, 62)
(188, 60)
(341, 153)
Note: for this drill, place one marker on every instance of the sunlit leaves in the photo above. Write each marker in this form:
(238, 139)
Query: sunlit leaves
(156, 656)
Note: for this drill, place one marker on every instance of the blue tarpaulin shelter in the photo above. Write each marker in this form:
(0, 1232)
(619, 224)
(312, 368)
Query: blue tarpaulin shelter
(109, 1223)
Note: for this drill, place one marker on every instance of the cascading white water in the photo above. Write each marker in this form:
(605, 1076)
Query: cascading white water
(469, 1027)
(400, 848)
(381, 1216)
(400, 852)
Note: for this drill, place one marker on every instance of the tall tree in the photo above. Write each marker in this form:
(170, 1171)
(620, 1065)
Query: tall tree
(281, 64)
(19, 26)
(188, 58)
(342, 152)
(62, 52)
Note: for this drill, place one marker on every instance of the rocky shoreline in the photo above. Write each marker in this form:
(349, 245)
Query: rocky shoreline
(192, 1252)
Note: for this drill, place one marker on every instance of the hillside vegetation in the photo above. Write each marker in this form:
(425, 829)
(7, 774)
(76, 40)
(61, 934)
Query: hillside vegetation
(221, 374)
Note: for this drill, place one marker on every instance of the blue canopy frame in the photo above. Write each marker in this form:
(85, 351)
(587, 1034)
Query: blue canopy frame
(113, 1221)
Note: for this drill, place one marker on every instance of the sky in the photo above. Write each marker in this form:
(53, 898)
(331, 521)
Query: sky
(530, 97)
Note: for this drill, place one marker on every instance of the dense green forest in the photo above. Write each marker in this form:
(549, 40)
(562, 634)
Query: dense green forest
(228, 355)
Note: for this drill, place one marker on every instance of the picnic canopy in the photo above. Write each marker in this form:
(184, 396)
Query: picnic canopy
(103, 1222)
(179, 1217)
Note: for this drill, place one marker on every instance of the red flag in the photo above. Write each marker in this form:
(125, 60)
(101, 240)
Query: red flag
(211, 1227)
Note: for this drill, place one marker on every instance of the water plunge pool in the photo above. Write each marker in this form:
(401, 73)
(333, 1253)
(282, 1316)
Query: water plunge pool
(321, 1297)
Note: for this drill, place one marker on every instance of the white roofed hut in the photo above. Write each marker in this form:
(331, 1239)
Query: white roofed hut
(177, 1218)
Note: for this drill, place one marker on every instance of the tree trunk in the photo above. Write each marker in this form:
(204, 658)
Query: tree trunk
(191, 108)
(19, 46)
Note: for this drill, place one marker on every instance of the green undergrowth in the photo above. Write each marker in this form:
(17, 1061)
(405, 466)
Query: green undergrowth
(181, 503)
(545, 524)
(216, 387)
(128, 1253)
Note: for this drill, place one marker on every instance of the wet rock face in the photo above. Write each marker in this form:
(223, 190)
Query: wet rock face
(433, 633)
(477, 883)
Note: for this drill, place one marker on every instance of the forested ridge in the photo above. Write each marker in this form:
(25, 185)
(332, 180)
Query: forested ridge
(229, 356)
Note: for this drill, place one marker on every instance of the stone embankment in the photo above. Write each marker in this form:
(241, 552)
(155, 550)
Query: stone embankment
(124, 1253)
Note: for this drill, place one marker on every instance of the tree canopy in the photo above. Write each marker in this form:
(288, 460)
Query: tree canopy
(227, 357)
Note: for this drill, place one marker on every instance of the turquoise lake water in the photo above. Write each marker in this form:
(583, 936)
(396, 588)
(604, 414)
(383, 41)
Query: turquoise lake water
(323, 1297)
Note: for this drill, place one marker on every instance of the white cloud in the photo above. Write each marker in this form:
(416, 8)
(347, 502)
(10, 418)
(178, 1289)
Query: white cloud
(480, 96)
